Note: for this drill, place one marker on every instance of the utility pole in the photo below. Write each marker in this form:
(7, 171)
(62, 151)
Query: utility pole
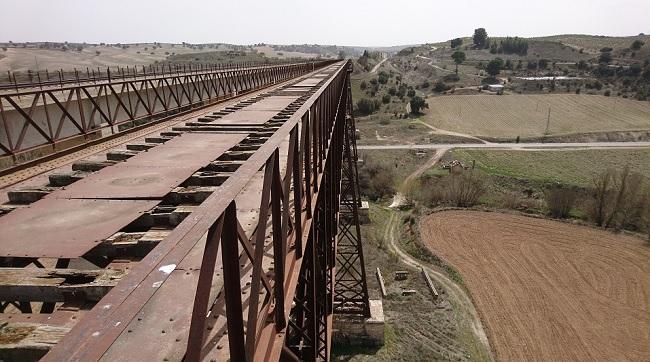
(548, 120)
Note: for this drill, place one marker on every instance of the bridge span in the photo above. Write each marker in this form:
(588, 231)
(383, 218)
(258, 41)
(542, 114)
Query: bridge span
(224, 226)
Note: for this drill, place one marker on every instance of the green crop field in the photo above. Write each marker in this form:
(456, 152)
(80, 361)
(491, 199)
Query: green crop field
(577, 167)
(509, 116)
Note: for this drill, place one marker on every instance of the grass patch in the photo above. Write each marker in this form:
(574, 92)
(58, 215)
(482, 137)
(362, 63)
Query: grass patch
(568, 167)
(404, 162)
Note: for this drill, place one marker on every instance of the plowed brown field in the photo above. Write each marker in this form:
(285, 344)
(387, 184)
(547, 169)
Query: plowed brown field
(549, 291)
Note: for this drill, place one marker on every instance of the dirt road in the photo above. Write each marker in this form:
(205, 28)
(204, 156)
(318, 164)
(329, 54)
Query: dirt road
(513, 146)
(450, 133)
(376, 67)
(464, 306)
(400, 199)
(465, 309)
(549, 291)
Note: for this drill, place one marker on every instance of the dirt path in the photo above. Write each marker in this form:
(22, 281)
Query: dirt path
(451, 133)
(376, 67)
(464, 304)
(455, 292)
(547, 290)
(533, 146)
(400, 199)
(433, 65)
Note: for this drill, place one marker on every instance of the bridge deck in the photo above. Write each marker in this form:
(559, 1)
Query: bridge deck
(147, 215)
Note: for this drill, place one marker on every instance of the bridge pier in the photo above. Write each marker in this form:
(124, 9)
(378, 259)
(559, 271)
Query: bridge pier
(358, 330)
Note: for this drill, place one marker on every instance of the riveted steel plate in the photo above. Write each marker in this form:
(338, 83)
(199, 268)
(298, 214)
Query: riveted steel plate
(246, 117)
(187, 150)
(123, 181)
(274, 103)
(55, 228)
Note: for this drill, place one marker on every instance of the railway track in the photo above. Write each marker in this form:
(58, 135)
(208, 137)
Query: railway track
(209, 236)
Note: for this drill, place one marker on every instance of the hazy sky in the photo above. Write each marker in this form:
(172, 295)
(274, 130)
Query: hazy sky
(341, 22)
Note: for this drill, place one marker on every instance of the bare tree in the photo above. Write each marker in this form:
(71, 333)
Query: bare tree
(465, 188)
(618, 201)
(602, 195)
(560, 200)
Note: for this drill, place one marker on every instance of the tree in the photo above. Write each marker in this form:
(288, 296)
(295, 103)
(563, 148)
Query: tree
(365, 106)
(605, 57)
(418, 103)
(455, 43)
(514, 45)
(386, 98)
(465, 188)
(542, 63)
(458, 57)
(494, 67)
(480, 37)
(382, 77)
(376, 180)
(636, 45)
(560, 199)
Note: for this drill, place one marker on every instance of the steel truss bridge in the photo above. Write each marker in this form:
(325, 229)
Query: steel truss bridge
(222, 224)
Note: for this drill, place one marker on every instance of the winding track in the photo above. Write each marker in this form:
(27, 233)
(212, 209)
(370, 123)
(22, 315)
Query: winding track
(456, 292)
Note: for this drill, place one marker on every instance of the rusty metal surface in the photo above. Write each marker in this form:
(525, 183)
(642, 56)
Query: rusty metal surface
(274, 103)
(56, 228)
(187, 150)
(152, 174)
(246, 117)
(310, 82)
(164, 319)
(123, 181)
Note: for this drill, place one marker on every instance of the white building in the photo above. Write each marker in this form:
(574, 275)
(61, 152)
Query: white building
(497, 88)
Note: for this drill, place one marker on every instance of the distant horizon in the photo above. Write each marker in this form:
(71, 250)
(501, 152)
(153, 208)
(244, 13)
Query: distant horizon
(382, 23)
(325, 44)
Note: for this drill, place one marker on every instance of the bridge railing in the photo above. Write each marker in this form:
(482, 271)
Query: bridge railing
(53, 118)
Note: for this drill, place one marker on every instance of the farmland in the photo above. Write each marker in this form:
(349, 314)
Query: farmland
(548, 290)
(576, 167)
(592, 43)
(509, 116)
